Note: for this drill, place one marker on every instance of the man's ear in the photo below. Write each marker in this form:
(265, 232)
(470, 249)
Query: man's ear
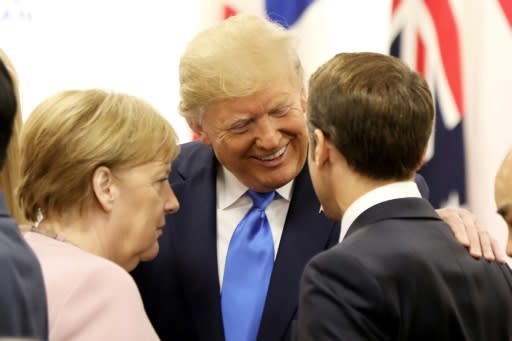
(321, 150)
(303, 99)
(423, 158)
(198, 128)
(104, 188)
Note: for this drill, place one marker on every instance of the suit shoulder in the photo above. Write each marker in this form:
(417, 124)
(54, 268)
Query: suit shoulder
(15, 252)
(192, 150)
(335, 257)
(339, 265)
(193, 157)
(23, 296)
(102, 290)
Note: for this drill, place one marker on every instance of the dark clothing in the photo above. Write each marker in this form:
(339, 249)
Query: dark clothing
(180, 288)
(23, 309)
(400, 274)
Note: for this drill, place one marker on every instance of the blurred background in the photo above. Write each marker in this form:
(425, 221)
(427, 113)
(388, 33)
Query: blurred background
(462, 47)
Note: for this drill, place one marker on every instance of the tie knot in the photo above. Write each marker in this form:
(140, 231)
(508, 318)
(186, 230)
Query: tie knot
(261, 200)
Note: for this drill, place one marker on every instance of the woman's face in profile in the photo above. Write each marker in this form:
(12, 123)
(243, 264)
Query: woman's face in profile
(143, 198)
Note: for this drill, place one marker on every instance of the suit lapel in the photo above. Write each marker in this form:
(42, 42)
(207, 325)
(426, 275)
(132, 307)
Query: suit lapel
(405, 208)
(198, 214)
(306, 233)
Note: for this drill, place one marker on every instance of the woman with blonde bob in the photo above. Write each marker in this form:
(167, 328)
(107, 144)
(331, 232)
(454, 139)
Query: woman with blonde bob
(94, 168)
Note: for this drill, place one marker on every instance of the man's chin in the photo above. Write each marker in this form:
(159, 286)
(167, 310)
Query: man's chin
(275, 183)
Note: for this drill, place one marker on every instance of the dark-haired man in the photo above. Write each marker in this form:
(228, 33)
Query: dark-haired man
(398, 273)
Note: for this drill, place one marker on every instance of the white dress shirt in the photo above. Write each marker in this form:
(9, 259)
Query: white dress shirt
(396, 190)
(232, 205)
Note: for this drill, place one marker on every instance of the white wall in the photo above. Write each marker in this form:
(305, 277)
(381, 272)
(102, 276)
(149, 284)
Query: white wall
(129, 46)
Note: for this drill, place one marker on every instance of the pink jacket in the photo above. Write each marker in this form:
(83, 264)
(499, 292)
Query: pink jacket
(89, 297)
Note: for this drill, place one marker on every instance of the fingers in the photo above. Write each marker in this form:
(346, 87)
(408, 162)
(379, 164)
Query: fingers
(477, 246)
(498, 251)
(452, 218)
(468, 231)
(486, 245)
(490, 247)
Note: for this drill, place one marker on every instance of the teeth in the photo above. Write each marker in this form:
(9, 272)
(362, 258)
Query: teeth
(275, 155)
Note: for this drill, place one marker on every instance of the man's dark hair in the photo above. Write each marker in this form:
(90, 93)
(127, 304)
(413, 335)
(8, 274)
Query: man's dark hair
(377, 112)
(7, 111)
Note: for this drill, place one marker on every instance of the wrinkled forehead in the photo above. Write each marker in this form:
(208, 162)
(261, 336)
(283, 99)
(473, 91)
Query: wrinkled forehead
(280, 92)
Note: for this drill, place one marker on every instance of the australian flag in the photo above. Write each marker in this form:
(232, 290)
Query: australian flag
(426, 36)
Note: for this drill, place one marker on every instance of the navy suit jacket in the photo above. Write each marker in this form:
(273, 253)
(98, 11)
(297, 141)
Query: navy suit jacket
(23, 309)
(180, 287)
(400, 275)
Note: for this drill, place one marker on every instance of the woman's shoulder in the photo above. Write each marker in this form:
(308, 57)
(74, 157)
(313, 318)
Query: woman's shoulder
(84, 287)
(61, 260)
(105, 292)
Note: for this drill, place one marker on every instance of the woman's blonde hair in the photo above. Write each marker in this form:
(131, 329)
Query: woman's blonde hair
(10, 173)
(72, 133)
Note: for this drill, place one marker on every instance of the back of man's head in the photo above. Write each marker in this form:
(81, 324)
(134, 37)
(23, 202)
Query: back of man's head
(7, 111)
(376, 111)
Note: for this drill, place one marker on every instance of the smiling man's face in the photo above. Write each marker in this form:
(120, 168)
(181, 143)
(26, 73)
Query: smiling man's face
(260, 138)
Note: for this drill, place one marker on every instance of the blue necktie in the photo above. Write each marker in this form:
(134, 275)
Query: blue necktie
(247, 273)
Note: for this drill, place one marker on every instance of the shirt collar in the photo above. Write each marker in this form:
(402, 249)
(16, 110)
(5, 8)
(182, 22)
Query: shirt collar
(230, 189)
(396, 190)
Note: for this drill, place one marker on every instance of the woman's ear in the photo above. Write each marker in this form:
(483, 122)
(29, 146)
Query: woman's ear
(104, 187)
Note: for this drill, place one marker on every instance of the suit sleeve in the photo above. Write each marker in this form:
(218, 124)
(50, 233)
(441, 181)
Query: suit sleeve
(162, 294)
(18, 316)
(23, 307)
(340, 300)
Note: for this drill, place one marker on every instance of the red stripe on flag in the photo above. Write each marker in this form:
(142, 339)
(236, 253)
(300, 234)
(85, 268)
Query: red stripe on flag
(420, 55)
(228, 11)
(506, 5)
(395, 5)
(448, 38)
